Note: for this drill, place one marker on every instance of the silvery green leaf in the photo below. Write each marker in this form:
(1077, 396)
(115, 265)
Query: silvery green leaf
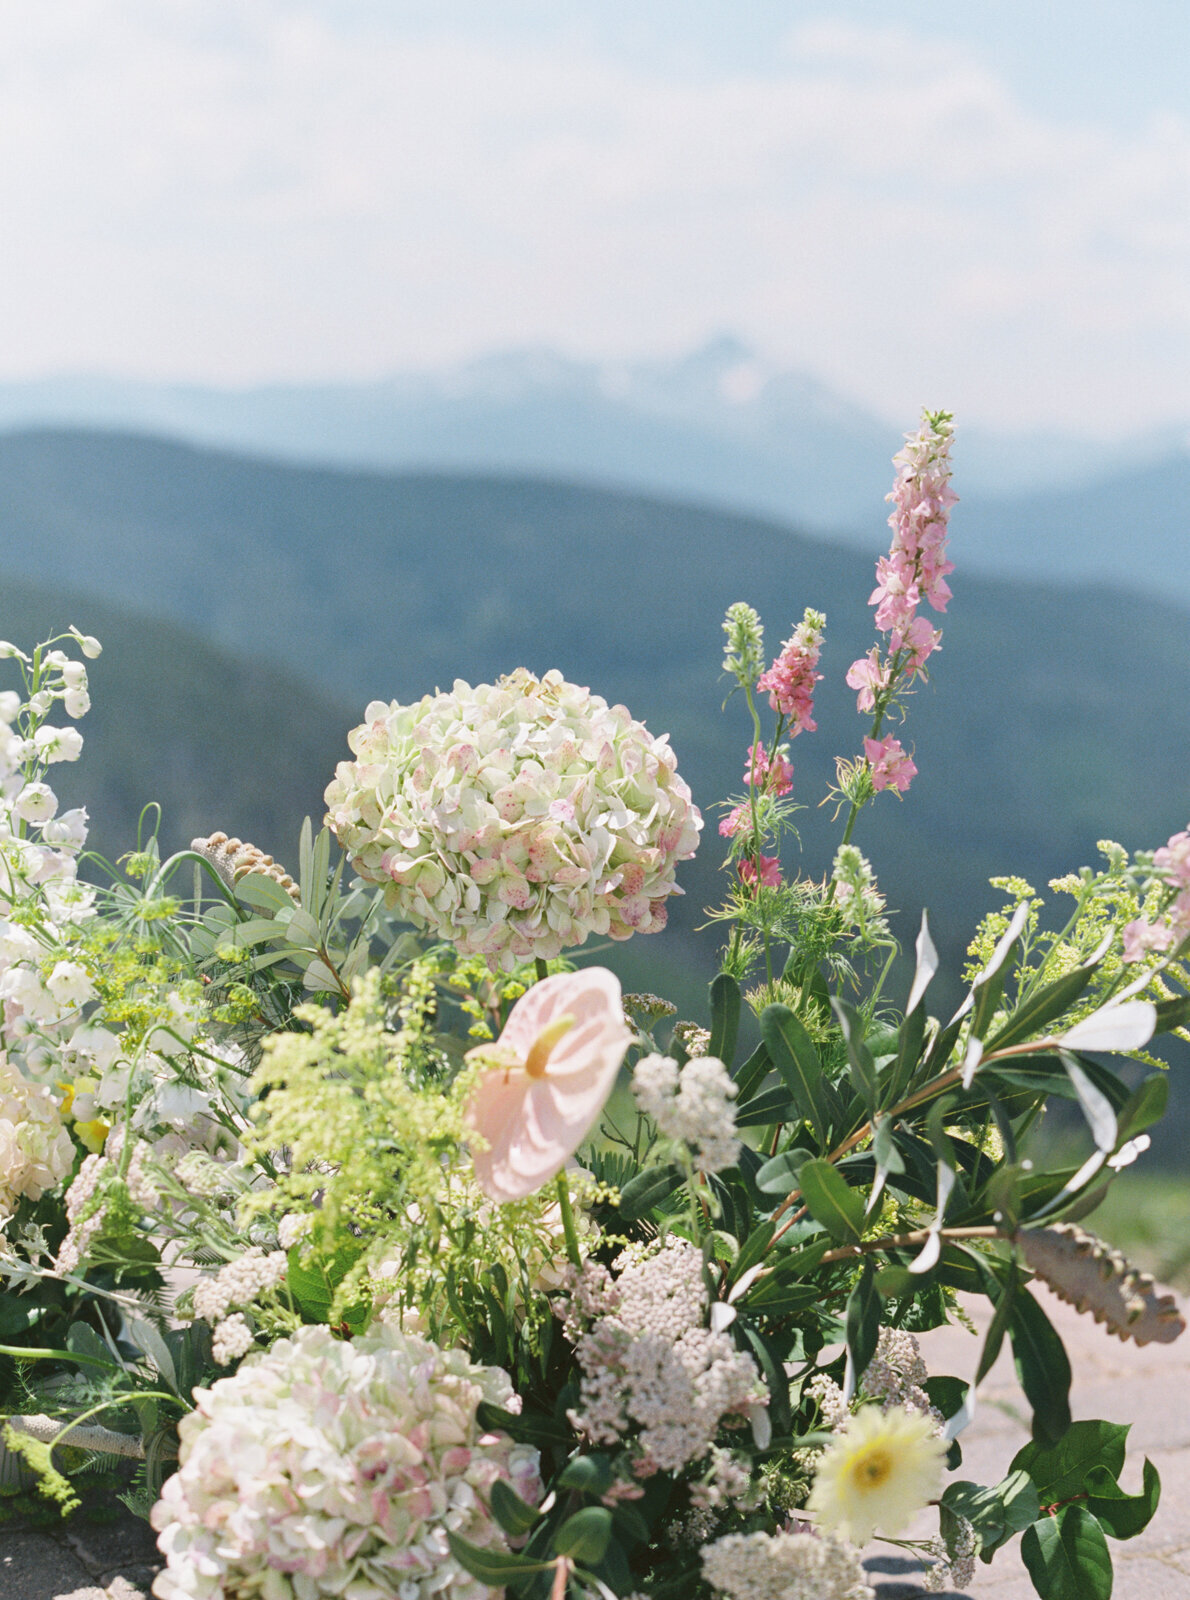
(1114, 1027)
(927, 965)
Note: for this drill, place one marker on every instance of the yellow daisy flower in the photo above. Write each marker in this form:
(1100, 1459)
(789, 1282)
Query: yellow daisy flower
(878, 1473)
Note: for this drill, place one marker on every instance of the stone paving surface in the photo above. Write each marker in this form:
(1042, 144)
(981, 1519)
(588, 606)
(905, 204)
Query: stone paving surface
(1113, 1380)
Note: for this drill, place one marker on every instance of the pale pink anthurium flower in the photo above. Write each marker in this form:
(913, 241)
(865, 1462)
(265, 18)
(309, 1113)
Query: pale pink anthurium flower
(546, 1080)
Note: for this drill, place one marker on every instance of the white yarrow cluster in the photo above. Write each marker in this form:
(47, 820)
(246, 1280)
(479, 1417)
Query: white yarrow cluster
(515, 818)
(654, 1376)
(692, 1104)
(336, 1467)
(784, 1566)
(239, 1283)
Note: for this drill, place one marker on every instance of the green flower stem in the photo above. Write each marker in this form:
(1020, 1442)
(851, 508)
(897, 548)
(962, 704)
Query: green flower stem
(768, 957)
(543, 970)
(568, 1227)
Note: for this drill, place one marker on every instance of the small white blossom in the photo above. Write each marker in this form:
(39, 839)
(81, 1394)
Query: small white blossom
(58, 744)
(784, 1566)
(36, 802)
(692, 1104)
(232, 1338)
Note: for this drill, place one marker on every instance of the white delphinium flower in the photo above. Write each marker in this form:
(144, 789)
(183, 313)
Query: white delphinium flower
(516, 818)
(36, 802)
(58, 744)
(691, 1104)
(70, 984)
(87, 643)
(333, 1467)
(76, 702)
(784, 1566)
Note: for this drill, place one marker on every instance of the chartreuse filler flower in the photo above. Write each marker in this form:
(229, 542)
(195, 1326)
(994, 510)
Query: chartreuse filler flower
(497, 1282)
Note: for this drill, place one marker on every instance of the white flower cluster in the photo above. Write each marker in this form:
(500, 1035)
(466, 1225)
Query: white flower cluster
(653, 1374)
(784, 1566)
(856, 894)
(896, 1376)
(36, 1152)
(41, 901)
(239, 1283)
(336, 1467)
(954, 1560)
(515, 818)
(691, 1104)
(97, 1182)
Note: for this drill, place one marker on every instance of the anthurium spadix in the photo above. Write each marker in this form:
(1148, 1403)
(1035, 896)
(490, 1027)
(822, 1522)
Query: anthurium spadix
(545, 1080)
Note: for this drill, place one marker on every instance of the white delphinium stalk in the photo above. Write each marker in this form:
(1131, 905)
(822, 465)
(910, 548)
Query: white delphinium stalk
(856, 894)
(692, 1104)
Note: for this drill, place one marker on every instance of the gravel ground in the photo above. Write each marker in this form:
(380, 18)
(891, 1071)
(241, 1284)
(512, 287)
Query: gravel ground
(117, 1560)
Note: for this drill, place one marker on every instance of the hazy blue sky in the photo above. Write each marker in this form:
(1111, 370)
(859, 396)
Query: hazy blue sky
(985, 204)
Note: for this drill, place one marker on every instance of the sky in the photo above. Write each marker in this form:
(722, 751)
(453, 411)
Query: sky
(984, 205)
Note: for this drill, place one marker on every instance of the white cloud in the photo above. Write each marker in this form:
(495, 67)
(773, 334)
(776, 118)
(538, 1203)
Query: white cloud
(234, 189)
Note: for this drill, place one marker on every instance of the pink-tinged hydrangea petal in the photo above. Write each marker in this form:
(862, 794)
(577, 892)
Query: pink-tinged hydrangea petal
(533, 1110)
(515, 818)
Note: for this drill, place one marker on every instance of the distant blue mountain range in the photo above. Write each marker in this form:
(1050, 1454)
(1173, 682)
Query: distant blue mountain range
(719, 427)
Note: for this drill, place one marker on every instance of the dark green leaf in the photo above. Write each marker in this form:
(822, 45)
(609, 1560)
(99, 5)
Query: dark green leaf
(771, 1362)
(829, 1201)
(1122, 1515)
(584, 1537)
(725, 1018)
(752, 1074)
(1173, 1014)
(509, 1510)
(862, 1320)
(1042, 1367)
(753, 1249)
(888, 1157)
(1060, 1470)
(648, 1189)
(527, 1427)
(774, 1105)
(909, 1043)
(792, 1053)
(779, 1174)
(859, 1058)
(995, 1513)
(592, 1474)
(1067, 1556)
(997, 1328)
(493, 1567)
(1143, 1107)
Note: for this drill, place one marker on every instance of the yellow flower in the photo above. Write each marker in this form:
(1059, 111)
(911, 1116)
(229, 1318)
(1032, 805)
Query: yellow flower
(92, 1134)
(881, 1470)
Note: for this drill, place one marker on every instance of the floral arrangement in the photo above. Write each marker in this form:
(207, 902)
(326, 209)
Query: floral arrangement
(408, 1258)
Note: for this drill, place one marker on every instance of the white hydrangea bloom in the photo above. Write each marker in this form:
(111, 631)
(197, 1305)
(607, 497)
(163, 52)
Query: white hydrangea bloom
(691, 1104)
(336, 1467)
(784, 1566)
(515, 818)
(36, 1151)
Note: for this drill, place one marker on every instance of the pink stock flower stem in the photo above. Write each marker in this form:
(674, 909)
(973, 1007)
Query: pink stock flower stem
(756, 841)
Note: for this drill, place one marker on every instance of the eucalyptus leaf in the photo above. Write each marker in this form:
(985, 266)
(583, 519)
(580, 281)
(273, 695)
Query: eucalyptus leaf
(725, 1018)
(1043, 1368)
(792, 1053)
(831, 1202)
